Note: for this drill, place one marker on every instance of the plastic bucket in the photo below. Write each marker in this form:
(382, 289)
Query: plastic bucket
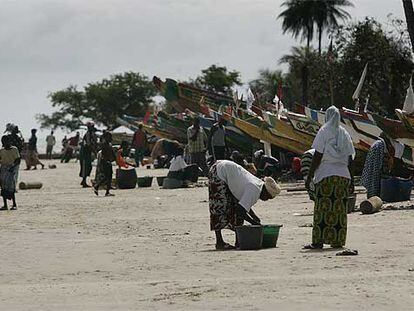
(160, 180)
(126, 179)
(395, 189)
(144, 182)
(249, 237)
(270, 235)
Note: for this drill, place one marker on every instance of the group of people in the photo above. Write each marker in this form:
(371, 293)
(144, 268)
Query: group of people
(235, 186)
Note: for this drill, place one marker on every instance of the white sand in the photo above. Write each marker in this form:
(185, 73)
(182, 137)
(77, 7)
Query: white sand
(151, 249)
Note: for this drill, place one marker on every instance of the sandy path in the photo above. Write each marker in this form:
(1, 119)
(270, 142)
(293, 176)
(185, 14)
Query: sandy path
(151, 249)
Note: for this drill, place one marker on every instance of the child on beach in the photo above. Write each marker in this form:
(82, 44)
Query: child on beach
(9, 164)
(104, 168)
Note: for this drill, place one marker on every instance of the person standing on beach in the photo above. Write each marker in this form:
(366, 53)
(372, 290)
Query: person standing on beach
(140, 144)
(331, 175)
(32, 157)
(197, 145)
(50, 142)
(9, 164)
(217, 140)
(16, 140)
(104, 168)
(88, 147)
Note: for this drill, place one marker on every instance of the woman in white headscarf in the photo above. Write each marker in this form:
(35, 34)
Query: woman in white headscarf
(332, 177)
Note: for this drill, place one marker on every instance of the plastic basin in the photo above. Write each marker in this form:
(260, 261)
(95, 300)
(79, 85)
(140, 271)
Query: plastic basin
(160, 180)
(126, 179)
(144, 182)
(270, 235)
(249, 237)
(396, 189)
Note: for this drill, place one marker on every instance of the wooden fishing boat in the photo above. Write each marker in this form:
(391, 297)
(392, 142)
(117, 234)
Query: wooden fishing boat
(406, 119)
(263, 133)
(183, 96)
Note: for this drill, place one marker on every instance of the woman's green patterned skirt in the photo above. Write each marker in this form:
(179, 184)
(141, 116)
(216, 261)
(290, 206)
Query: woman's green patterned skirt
(330, 215)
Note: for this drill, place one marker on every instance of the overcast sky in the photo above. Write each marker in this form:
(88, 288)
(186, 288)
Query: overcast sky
(48, 45)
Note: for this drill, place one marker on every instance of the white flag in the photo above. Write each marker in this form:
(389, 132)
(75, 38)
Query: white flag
(361, 83)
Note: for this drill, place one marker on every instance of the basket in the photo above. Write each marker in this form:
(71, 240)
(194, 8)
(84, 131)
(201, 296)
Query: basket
(144, 182)
(270, 235)
(160, 180)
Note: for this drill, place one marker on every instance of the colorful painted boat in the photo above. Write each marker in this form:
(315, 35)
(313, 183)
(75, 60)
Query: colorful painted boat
(183, 96)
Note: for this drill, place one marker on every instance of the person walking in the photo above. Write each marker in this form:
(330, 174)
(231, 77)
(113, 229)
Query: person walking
(217, 140)
(104, 167)
(197, 145)
(140, 144)
(88, 147)
(331, 175)
(50, 142)
(32, 157)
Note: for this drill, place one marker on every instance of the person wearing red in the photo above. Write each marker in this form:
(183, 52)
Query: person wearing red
(140, 144)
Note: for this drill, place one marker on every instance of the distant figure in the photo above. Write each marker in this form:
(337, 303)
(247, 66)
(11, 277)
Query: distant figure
(32, 157)
(305, 164)
(180, 173)
(296, 168)
(163, 150)
(65, 144)
(217, 140)
(88, 147)
(16, 139)
(50, 142)
(140, 144)
(266, 165)
(384, 159)
(122, 156)
(197, 145)
(9, 164)
(104, 167)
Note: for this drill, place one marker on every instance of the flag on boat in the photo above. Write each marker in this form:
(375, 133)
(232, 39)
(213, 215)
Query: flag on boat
(249, 99)
(355, 96)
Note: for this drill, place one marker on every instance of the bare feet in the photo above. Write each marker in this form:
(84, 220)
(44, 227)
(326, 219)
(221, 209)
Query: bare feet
(14, 208)
(4, 208)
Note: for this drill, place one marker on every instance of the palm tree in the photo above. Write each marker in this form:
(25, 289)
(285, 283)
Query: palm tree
(326, 15)
(299, 60)
(409, 17)
(297, 20)
(300, 16)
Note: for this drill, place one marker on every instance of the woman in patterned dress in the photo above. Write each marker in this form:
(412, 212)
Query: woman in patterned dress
(332, 177)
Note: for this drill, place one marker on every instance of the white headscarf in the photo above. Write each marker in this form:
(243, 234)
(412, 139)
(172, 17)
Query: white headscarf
(340, 146)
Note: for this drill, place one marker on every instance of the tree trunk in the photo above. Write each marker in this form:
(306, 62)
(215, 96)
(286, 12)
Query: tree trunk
(409, 17)
(320, 40)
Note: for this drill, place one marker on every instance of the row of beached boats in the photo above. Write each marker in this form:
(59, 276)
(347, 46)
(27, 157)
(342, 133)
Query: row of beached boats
(250, 124)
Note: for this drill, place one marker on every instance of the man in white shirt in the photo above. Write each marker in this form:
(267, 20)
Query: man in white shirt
(232, 193)
(50, 142)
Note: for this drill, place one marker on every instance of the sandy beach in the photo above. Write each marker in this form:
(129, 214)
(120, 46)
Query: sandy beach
(151, 249)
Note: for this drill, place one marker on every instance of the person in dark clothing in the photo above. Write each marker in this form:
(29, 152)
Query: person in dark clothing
(140, 144)
(217, 140)
(17, 141)
(88, 147)
(32, 158)
(266, 165)
(104, 168)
